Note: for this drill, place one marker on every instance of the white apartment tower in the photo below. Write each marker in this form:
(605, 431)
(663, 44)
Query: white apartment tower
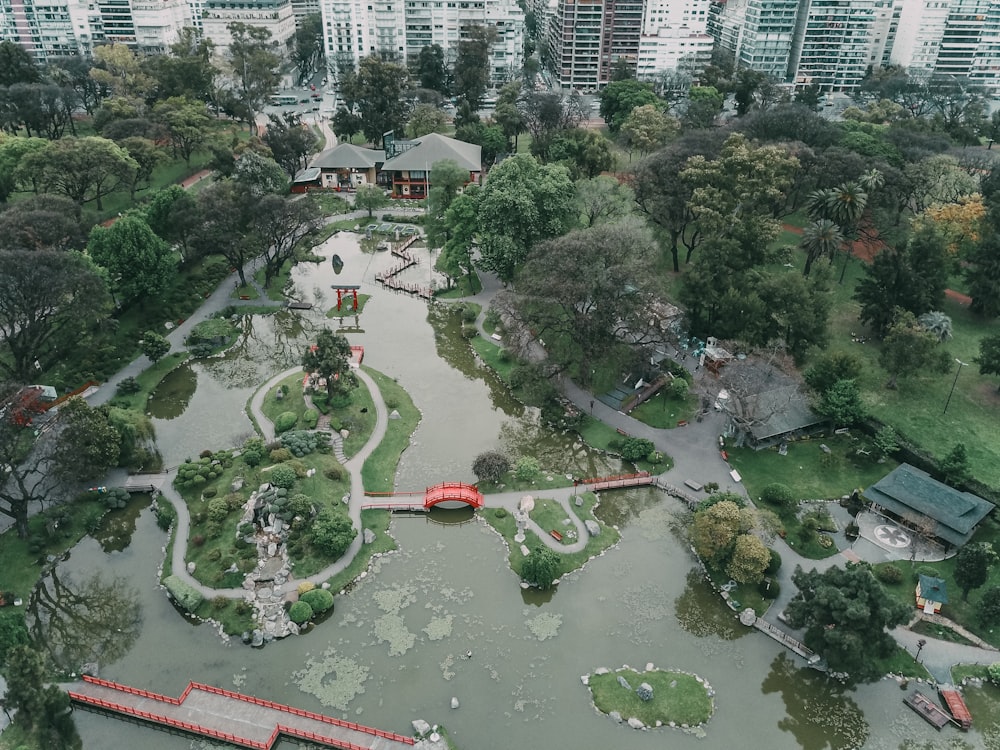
(834, 43)
(674, 36)
(399, 29)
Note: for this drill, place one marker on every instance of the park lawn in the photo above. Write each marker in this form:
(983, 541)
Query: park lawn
(379, 471)
(378, 522)
(900, 661)
(677, 697)
(663, 412)
(275, 292)
(549, 515)
(810, 473)
(358, 418)
(293, 401)
(495, 356)
(940, 632)
(347, 306)
(330, 202)
(465, 287)
(743, 596)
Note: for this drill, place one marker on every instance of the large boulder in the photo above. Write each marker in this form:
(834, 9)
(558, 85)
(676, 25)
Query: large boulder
(593, 527)
(644, 691)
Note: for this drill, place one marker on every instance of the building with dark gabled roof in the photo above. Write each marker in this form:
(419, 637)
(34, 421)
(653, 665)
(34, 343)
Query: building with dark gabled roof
(409, 170)
(909, 494)
(346, 166)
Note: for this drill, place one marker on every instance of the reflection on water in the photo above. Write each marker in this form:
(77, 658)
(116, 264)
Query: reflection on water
(701, 611)
(79, 618)
(819, 711)
(173, 394)
(116, 529)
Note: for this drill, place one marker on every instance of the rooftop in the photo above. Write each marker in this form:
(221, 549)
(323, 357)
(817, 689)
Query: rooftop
(433, 148)
(348, 156)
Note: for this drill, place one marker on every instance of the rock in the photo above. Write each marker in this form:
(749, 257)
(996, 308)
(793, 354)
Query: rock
(635, 723)
(257, 638)
(650, 667)
(345, 433)
(434, 737)
(659, 723)
(524, 550)
(346, 499)
(369, 536)
(644, 691)
(624, 683)
(585, 679)
(394, 415)
(279, 394)
(191, 567)
(325, 586)
(237, 485)
(420, 726)
(601, 670)
(272, 549)
(168, 325)
(578, 502)
(454, 702)
(593, 527)
(616, 716)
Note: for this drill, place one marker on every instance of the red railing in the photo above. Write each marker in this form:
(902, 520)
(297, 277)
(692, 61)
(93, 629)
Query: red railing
(138, 691)
(460, 491)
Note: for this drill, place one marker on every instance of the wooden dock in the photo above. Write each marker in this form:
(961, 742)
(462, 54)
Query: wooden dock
(388, 277)
(144, 482)
(789, 642)
(618, 481)
(238, 719)
(928, 710)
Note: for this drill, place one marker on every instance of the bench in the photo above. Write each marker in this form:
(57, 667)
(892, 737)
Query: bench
(693, 485)
(555, 535)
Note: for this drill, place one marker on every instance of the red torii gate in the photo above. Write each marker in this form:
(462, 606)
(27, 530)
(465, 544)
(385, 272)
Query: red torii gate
(345, 289)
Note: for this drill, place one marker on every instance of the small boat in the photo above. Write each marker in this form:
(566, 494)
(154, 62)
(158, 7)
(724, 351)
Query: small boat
(929, 711)
(956, 706)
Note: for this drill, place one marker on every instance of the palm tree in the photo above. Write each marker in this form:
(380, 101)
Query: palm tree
(845, 204)
(821, 238)
(936, 322)
(871, 180)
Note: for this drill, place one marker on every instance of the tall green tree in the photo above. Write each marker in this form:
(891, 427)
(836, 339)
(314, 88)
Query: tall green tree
(586, 153)
(820, 238)
(459, 224)
(989, 355)
(982, 274)
(225, 214)
(17, 65)
(187, 122)
(330, 359)
(43, 710)
(908, 349)
(42, 222)
(13, 149)
(173, 214)
(82, 169)
(972, 566)
(715, 529)
(471, 73)
(147, 156)
(846, 615)
(88, 443)
(291, 142)
(284, 226)
(541, 196)
(307, 46)
(187, 71)
(259, 175)
(541, 567)
(603, 200)
(647, 129)
(447, 179)
(430, 70)
(619, 98)
(369, 198)
(425, 119)
(117, 68)
(376, 91)
(841, 403)
(48, 300)
(254, 66)
(154, 346)
(955, 466)
(139, 264)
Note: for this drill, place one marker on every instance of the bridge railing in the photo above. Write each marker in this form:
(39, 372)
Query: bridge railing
(617, 478)
(138, 691)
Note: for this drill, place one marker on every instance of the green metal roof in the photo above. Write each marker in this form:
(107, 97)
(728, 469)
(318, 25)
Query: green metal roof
(933, 588)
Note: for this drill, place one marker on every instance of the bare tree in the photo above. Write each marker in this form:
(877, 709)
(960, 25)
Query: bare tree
(758, 390)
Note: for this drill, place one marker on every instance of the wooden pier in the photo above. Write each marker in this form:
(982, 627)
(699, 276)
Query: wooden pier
(144, 482)
(929, 711)
(618, 481)
(388, 277)
(786, 640)
(235, 718)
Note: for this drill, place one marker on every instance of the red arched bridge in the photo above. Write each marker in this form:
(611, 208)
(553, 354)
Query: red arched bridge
(235, 718)
(446, 492)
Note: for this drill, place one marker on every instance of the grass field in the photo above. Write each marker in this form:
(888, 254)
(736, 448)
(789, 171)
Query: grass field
(677, 697)
(379, 470)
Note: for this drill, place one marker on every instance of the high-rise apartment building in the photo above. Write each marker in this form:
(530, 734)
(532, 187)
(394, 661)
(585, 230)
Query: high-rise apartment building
(402, 28)
(274, 15)
(833, 44)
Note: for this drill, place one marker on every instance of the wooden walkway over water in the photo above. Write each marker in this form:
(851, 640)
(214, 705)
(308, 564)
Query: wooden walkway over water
(239, 719)
(618, 481)
(788, 642)
(388, 277)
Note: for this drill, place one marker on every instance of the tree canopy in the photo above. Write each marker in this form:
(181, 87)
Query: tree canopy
(330, 360)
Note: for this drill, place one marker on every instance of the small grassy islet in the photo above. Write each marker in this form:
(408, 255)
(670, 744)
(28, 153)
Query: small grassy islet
(677, 697)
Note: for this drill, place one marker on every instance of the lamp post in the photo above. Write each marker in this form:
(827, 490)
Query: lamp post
(958, 372)
(920, 647)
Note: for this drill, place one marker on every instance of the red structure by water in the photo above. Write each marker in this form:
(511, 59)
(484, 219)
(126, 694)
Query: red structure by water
(242, 720)
(439, 493)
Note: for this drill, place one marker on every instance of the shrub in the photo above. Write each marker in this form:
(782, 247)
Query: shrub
(285, 421)
(214, 555)
(205, 454)
(778, 495)
(310, 418)
(924, 570)
(489, 466)
(218, 509)
(500, 513)
(319, 599)
(280, 454)
(993, 672)
(300, 612)
(283, 476)
(333, 533)
(304, 587)
(774, 565)
(527, 468)
(636, 449)
(769, 588)
(234, 500)
(165, 514)
(128, 386)
(889, 574)
(210, 491)
(198, 540)
(334, 473)
(187, 597)
(988, 608)
(303, 442)
(13, 631)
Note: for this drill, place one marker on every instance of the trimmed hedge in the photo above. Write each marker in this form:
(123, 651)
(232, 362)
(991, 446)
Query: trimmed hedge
(186, 596)
(300, 612)
(285, 421)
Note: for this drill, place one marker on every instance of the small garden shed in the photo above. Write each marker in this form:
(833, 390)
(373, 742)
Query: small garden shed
(931, 594)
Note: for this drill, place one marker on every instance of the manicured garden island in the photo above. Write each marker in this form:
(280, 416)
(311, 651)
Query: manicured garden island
(651, 698)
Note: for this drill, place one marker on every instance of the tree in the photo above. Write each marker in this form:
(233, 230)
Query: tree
(988, 610)
(254, 66)
(87, 444)
(188, 70)
(117, 68)
(259, 175)
(982, 274)
(12, 151)
(715, 529)
(954, 467)
(588, 291)
(841, 404)
(333, 533)
(16, 65)
(908, 349)
(82, 169)
(541, 567)
(329, 359)
(430, 69)
(139, 264)
(447, 179)
(291, 142)
(541, 196)
(73, 71)
(471, 73)
(989, 355)
(545, 113)
(43, 710)
(154, 346)
(346, 123)
(376, 91)
(459, 226)
(369, 198)
(48, 299)
(490, 466)
(703, 107)
(307, 49)
(619, 98)
(845, 613)
(284, 225)
(603, 200)
(830, 368)
(647, 129)
(586, 153)
(225, 213)
(749, 560)
(173, 214)
(424, 119)
(821, 238)
(41, 222)
(972, 566)
(187, 122)
(507, 115)
(44, 109)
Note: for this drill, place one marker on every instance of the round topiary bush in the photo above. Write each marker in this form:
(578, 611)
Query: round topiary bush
(310, 418)
(778, 494)
(209, 492)
(500, 513)
(285, 421)
(769, 588)
(283, 476)
(889, 574)
(319, 599)
(218, 509)
(300, 612)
